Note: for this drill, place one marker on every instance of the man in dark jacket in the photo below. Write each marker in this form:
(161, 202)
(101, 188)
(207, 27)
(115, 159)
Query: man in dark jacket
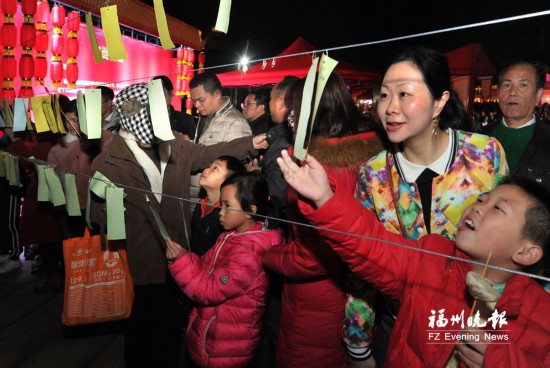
(524, 137)
(256, 111)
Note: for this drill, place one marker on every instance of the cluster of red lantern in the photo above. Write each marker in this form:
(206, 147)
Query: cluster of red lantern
(42, 42)
(28, 41)
(186, 72)
(58, 44)
(9, 39)
(73, 25)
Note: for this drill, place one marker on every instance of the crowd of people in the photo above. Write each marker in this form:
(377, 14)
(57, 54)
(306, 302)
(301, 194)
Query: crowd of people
(426, 219)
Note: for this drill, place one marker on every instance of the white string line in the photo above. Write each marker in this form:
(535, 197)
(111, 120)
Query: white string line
(319, 228)
(444, 30)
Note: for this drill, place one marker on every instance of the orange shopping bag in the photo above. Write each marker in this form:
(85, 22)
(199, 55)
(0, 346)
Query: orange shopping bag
(98, 284)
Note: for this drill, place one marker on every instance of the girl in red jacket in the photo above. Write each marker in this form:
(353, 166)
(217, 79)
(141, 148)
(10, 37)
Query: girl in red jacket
(228, 283)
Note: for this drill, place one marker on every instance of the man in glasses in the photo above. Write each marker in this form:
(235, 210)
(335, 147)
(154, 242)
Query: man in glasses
(256, 111)
(219, 120)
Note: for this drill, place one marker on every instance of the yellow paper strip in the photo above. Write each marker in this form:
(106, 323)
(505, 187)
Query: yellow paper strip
(57, 114)
(39, 117)
(162, 26)
(93, 40)
(12, 173)
(93, 113)
(116, 228)
(71, 194)
(222, 23)
(159, 111)
(305, 111)
(8, 115)
(326, 66)
(2, 165)
(81, 107)
(50, 115)
(111, 29)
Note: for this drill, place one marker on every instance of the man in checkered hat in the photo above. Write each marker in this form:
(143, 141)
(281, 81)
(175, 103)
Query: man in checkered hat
(143, 165)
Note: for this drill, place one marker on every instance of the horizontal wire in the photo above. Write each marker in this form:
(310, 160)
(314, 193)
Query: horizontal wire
(319, 228)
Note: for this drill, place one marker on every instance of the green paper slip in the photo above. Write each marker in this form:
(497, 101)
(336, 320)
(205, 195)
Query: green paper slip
(159, 111)
(71, 194)
(54, 185)
(305, 112)
(93, 113)
(43, 190)
(116, 228)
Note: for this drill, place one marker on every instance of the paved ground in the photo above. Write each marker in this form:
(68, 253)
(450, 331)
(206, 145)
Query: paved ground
(31, 333)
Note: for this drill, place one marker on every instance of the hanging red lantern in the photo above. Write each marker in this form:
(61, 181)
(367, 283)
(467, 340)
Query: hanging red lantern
(26, 66)
(57, 46)
(179, 85)
(190, 74)
(9, 6)
(28, 6)
(72, 47)
(9, 35)
(27, 35)
(40, 69)
(73, 21)
(58, 43)
(42, 11)
(72, 73)
(42, 41)
(9, 67)
(202, 58)
(191, 57)
(184, 85)
(58, 16)
(9, 94)
(188, 105)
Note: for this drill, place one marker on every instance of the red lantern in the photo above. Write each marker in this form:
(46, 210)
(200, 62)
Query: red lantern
(28, 6)
(40, 68)
(73, 21)
(58, 44)
(9, 66)
(26, 66)
(184, 85)
(9, 6)
(26, 92)
(42, 41)
(27, 35)
(58, 16)
(190, 74)
(42, 12)
(72, 47)
(191, 57)
(56, 73)
(189, 105)
(202, 57)
(72, 73)
(179, 84)
(9, 35)
(9, 94)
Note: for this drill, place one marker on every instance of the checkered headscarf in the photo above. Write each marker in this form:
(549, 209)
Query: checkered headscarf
(132, 105)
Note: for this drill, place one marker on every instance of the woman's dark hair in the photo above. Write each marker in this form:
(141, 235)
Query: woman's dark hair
(434, 68)
(337, 115)
(252, 190)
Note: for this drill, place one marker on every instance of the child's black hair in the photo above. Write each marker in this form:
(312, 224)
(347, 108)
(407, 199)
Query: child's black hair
(537, 217)
(232, 164)
(252, 190)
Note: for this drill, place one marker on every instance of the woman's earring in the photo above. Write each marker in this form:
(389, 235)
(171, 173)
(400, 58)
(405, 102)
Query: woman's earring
(434, 130)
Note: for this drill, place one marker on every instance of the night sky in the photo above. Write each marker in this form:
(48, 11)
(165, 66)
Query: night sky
(269, 27)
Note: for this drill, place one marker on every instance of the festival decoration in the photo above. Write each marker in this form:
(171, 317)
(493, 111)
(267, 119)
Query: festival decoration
(9, 39)
(202, 59)
(58, 43)
(41, 42)
(28, 41)
(73, 25)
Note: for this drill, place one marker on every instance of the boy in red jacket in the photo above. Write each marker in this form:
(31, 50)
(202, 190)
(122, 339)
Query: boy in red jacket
(455, 310)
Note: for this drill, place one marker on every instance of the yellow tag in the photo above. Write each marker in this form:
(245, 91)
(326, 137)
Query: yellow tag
(162, 25)
(39, 117)
(93, 40)
(111, 29)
